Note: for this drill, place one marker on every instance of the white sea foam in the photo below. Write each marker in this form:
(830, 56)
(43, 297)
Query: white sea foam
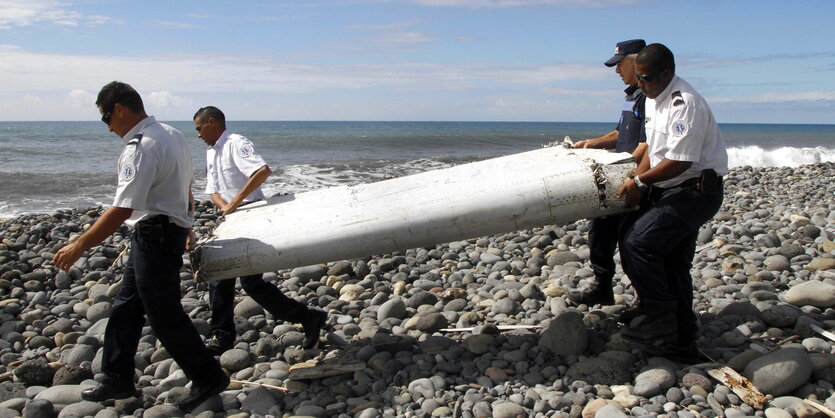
(755, 156)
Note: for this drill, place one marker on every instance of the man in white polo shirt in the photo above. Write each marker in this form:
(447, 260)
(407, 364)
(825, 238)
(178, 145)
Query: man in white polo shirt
(234, 174)
(681, 173)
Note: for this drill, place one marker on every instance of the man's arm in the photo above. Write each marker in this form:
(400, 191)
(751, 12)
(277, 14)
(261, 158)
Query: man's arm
(255, 180)
(101, 229)
(607, 141)
(665, 170)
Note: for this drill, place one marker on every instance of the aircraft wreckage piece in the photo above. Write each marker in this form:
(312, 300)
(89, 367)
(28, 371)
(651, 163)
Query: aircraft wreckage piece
(552, 185)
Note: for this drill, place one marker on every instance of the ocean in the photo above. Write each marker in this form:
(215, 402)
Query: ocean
(45, 166)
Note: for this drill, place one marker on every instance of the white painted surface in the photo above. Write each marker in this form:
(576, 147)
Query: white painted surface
(542, 187)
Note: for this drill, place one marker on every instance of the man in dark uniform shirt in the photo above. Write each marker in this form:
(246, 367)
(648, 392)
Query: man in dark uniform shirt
(628, 136)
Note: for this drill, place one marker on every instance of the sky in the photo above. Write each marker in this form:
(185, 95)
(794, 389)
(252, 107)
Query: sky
(410, 60)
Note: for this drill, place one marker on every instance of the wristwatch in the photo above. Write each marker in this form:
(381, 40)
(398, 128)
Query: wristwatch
(641, 185)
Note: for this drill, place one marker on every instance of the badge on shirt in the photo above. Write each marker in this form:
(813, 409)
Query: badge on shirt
(680, 127)
(246, 151)
(127, 171)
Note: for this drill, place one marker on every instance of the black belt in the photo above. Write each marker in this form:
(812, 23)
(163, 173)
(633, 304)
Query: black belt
(708, 180)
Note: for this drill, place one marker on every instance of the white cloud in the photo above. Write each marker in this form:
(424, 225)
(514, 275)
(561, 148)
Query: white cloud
(164, 99)
(798, 96)
(81, 98)
(49, 12)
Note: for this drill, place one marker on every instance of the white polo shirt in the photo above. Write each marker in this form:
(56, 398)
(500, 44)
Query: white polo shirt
(681, 127)
(229, 164)
(155, 173)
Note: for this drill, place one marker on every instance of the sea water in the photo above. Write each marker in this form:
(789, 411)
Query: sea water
(46, 166)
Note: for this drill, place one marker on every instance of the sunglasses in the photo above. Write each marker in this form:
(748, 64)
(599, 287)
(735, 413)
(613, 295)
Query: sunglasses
(106, 118)
(646, 78)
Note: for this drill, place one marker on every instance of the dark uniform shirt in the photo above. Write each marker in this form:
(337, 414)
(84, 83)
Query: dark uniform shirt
(631, 125)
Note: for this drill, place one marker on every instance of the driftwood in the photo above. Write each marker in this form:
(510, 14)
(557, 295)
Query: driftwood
(820, 407)
(315, 369)
(499, 327)
(263, 385)
(823, 332)
(739, 385)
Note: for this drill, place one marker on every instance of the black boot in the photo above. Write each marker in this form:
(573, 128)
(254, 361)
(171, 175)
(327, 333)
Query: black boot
(313, 322)
(106, 391)
(597, 294)
(653, 328)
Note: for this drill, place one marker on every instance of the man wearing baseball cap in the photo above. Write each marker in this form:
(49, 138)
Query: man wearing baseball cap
(628, 136)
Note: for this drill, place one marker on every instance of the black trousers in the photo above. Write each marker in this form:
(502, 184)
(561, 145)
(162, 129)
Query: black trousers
(222, 299)
(657, 251)
(151, 288)
(603, 239)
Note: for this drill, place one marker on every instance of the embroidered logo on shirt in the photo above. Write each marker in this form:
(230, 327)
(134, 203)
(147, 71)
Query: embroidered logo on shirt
(680, 127)
(128, 171)
(247, 151)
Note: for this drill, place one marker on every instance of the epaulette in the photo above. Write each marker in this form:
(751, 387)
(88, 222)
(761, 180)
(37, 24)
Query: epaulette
(135, 140)
(678, 100)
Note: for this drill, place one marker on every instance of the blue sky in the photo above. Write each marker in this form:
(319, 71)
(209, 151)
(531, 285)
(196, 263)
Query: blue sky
(472, 60)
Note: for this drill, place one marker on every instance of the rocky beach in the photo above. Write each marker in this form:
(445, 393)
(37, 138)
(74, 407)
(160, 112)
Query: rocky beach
(474, 328)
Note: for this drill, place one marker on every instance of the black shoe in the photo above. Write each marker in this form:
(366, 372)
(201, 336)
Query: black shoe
(653, 329)
(597, 294)
(106, 391)
(312, 323)
(200, 393)
(681, 353)
(628, 315)
(218, 345)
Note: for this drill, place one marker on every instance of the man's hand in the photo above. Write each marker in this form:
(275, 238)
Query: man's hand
(228, 208)
(632, 193)
(586, 143)
(191, 240)
(66, 257)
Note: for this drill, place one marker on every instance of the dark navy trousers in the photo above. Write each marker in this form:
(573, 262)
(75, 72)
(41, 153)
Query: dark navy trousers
(151, 288)
(603, 239)
(657, 251)
(222, 299)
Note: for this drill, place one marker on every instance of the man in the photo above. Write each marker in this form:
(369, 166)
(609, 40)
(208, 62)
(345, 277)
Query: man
(235, 173)
(154, 185)
(681, 172)
(628, 136)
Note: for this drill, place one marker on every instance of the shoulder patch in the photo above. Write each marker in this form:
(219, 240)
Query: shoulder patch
(678, 100)
(680, 127)
(135, 140)
(127, 171)
(246, 151)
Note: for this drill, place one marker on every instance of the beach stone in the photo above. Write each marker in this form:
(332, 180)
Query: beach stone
(35, 372)
(259, 401)
(81, 409)
(777, 262)
(505, 306)
(694, 379)
(600, 370)
(790, 250)
(247, 308)
(234, 359)
(310, 411)
(80, 354)
(422, 388)
(566, 324)
(509, 410)
(610, 411)
(63, 394)
(308, 273)
(393, 308)
(821, 264)
(653, 381)
(422, 298)
(339, 268)
(779, 372)
(781, 316)
(162, 411)
(99, 311)
(431, 323)
(38, 408)
(812, 293)
(71, 375)
(773, 412)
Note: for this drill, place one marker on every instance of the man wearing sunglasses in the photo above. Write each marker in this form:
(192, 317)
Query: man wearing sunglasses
(681, 177)
(628, 136)
(234, 174)
(153, 196)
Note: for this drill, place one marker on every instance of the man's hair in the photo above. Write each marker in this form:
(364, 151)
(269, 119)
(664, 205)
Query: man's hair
(657, 56)
(122, 93)
(211, 112)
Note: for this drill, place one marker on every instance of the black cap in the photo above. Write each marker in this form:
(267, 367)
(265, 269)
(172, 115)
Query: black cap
(625, 48)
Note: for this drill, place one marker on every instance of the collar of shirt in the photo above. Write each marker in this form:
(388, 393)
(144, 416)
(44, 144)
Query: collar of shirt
(221, 141)
(144, 123)
(664, 95)
(633, 92)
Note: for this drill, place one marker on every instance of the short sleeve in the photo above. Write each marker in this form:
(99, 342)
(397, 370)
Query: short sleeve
(686, 130)
(245, 157)
(137, 171)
